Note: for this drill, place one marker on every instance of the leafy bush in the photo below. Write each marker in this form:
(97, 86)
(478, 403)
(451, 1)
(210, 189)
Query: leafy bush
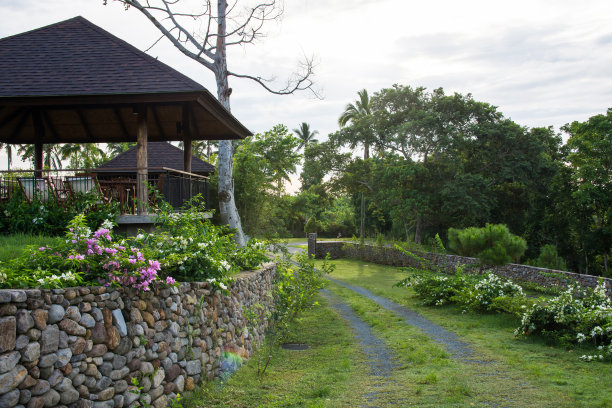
(187, 246)
(575, 316)
(294, 291)
(191, 248)
(49, 218)
(493, 244)
(549, 258)
(83, 257)
(436, 289)
(487, 294)
(312, 225)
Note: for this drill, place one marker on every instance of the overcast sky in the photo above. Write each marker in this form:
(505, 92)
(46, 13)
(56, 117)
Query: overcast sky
(542, 62)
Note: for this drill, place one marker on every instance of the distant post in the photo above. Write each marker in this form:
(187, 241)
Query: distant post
(312, 244)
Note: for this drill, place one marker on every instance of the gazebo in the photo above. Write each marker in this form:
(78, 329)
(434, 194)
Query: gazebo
(118, 175)
(73, 82)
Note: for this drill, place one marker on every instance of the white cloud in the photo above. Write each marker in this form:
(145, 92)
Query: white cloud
(542, 62)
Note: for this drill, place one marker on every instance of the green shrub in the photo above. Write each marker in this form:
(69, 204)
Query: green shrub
(493, 244)
(49, 218)
(549, 258)
(186, 246)
(486, 293)
(312, 225)
(577, 315)
(436, 289)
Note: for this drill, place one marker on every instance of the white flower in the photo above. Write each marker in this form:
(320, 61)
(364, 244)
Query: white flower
(108, 224)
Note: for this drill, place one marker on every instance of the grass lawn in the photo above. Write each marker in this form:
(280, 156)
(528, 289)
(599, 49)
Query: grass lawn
(11, 246)
(328, 374)
(514, 372)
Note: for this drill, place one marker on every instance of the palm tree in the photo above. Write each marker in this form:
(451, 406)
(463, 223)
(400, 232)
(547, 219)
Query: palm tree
(352, 113)
(306, 136)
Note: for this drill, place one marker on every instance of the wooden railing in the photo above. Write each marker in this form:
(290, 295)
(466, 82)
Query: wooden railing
(117, 185)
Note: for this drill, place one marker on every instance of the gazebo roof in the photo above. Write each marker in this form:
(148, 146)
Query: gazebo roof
(82, 84)
(160, 154)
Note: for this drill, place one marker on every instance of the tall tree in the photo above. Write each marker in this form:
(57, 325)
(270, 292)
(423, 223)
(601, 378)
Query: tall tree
(306, 135)
(204, 36)
(354, 113)
(590, 155)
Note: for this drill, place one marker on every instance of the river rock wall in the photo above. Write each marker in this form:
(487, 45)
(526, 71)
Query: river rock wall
(394, 257)
(81, 347)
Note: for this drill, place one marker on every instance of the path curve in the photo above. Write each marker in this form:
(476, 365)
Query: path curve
(456, 347)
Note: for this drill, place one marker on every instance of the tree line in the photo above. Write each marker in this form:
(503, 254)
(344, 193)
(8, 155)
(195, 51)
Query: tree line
(434, 161)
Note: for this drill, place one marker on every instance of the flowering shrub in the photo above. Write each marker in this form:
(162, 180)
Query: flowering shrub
(50, 218)
(576, 316)
(191, 248)
(436, 289)
(83, 257)
(485, 293)
(186, 247)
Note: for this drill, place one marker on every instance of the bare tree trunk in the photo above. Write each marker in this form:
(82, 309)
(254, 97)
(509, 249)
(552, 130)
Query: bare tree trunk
(605, 256)
(362, 227)
(227, 204)
(418, 229)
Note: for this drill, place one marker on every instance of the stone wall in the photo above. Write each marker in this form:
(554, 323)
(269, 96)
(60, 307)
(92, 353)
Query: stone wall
(394, 257)
(80, 347)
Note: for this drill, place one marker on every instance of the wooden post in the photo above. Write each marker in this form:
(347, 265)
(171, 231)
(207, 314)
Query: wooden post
(142, 162)
(187, 149)
(39, 132)
(187, 146)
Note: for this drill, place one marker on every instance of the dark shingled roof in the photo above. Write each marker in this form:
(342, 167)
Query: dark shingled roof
(76, 57)
(73, 82)
(160, 154)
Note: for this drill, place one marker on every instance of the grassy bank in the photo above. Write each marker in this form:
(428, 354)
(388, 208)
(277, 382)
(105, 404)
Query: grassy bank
(330, 373)
(519, 372)
(12, 246)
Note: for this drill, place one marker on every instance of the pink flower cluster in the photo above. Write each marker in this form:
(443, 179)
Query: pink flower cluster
(125, 266)
(142, 280)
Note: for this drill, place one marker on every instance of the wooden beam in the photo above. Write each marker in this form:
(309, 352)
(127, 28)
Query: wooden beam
(19, 126)
(39, 130)
(187, 145)
(121, 123)
(84, 124)
(194, 123)
(49, 123)
(142, 162)
(160, 129)
(12, 116)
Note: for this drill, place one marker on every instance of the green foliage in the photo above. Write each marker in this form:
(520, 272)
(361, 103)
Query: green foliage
(186, 246)
(295, 289)
(575, 316)
(493, 244)
(436, 289)
(49, 218)
(312, 225)
(473, 292)
(262, 164)
(549, 258)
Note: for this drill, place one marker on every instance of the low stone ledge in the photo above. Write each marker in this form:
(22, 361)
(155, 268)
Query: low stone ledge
(81, 346)
(392, 256)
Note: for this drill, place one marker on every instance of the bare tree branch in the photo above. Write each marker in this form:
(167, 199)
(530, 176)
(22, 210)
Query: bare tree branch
(299, 81)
